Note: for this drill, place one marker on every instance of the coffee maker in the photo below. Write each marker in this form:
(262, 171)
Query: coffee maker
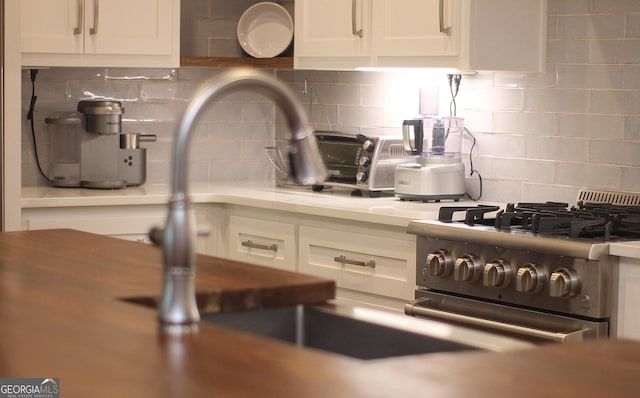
(89, 150)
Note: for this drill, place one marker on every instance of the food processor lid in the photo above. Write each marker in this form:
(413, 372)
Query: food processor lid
(64, 118)
(100, 107)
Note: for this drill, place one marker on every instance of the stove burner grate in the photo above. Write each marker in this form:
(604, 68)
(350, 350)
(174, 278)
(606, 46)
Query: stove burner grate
(585, 220)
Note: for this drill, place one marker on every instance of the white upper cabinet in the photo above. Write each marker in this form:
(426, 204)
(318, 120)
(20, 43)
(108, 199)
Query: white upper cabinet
(335, 32)
(143, 33)
(460, 34)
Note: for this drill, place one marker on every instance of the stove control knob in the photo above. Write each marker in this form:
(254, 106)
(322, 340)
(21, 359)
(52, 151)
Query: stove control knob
(529, 279)
(467, 269)
(563, 283)
(439, 264)
(496, 274)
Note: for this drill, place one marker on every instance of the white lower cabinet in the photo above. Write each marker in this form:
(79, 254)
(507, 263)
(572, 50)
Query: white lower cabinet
(628, 322)
(262, 242)
(371, 263)
(359, 260)
(125, 222)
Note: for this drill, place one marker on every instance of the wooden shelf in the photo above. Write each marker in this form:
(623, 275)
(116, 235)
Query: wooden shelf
(224, 62)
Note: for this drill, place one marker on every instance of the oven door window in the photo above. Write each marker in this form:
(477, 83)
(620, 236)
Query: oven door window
(341, 159)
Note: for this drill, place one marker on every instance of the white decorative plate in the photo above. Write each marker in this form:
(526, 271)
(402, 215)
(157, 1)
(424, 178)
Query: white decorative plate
(265, 30)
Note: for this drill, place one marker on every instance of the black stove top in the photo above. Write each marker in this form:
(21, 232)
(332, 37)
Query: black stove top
(597, 221)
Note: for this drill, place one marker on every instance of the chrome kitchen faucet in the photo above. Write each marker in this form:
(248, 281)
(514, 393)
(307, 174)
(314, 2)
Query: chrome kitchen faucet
(178, 312)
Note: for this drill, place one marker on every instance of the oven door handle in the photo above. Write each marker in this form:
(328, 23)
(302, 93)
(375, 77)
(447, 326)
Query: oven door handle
(560, 337)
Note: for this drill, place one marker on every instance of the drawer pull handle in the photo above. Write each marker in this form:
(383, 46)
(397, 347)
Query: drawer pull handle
(343, 259)
(252, 245)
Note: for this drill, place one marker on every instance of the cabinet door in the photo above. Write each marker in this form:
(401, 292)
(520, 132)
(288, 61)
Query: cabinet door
(100, 33)
(52, 26)
(413, 28)
(628, 299)
(331, 28)
(262, 242)
(137, 27)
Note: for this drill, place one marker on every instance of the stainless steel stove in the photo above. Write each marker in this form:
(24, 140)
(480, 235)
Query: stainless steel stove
(539, 271)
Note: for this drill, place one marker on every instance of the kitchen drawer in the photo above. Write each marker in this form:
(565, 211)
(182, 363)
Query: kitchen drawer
(377, 264)
(262, 242)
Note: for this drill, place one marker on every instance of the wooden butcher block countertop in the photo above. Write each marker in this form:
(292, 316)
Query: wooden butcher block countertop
(62, 316)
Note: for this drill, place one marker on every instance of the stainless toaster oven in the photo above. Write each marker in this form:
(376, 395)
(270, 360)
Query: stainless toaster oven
(365, 163)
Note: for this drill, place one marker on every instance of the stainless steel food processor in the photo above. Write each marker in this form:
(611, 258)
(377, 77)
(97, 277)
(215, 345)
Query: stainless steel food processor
(438, 172)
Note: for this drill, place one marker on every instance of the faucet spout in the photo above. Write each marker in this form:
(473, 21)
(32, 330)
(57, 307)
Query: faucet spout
(178, 312)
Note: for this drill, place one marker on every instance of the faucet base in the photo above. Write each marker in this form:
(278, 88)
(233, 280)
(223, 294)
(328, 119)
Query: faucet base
(189, 328)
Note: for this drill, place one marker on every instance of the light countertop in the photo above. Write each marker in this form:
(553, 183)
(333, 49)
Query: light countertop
(625, 249)
(337, 203)
(331, 203)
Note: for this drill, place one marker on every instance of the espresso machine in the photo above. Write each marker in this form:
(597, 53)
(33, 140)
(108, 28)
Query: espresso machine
(89, 150)
(437, 172)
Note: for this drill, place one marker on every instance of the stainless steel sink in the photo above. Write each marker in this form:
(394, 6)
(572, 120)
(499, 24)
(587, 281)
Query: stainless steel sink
(360, 332)
(352, 330)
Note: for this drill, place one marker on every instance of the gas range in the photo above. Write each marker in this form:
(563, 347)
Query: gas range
(531, 266)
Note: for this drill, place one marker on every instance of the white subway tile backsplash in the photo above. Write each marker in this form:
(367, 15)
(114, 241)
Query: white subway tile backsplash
(132, 74)
(555, 148)
(631, 179)
(338, 94)
(521, 80)
(631, 77)
(568, 7)
(499, 145)
(632, 128)
(591, 126)
(526, 123)
(591, 26)
(524, 170)
(589, 76)
(492, 98)
(568, 51)
(556, 100)
(502, 191)
(545, 192)
(478, 120)
(255, 112)
(594, 176)
(361, 116)
(615, 102)
(624, 152)
(161, 91)
(103, 90)
(615, 51)
(223, 112)
(605, 6)
(633, 26)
